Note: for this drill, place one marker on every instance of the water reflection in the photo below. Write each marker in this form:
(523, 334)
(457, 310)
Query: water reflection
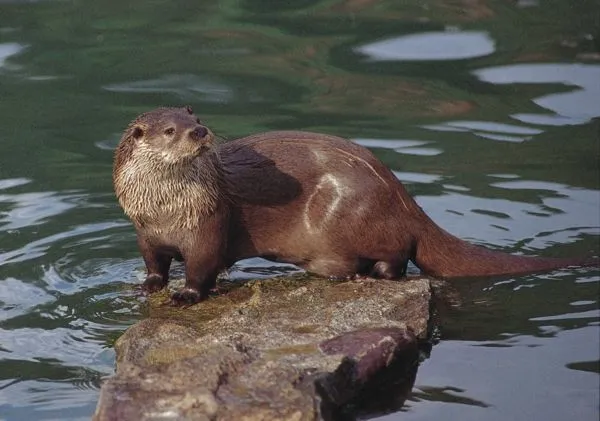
(18, 297)
(67, 264)
(13, 182)
(577, 106)
(9, 49)
(492, 373)
(29, 209)
(185, 87)
(257, 268)
(445, 45)
(505, 222)
(488, 130)
(68, 346)
(408, 177)
(60, 299)
(494, 131)
(407, 147)
(51, 400)
(38, 248)
(591, 314)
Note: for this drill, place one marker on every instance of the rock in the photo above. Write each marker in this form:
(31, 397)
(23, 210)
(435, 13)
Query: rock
(279, 349)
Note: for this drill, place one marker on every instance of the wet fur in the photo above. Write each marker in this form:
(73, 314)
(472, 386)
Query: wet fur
(314, 200)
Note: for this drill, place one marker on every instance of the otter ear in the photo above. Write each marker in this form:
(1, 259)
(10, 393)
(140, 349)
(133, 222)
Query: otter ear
(136, 132)
(189, 109)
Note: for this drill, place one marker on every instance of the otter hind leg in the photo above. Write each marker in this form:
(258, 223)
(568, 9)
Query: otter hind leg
(389, 269)
(336, 267)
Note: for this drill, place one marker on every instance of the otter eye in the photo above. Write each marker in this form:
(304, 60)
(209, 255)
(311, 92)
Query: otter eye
(170, 131)
(198, 121)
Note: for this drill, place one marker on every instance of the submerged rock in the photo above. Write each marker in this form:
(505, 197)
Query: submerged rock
(278, 349)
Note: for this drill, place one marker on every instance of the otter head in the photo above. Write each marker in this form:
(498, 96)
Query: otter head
(171, 135)
(156, 173)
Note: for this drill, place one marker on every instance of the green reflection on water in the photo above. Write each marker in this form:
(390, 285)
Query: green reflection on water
(87, 68)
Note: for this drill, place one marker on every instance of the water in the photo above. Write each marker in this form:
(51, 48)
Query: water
(487, 110)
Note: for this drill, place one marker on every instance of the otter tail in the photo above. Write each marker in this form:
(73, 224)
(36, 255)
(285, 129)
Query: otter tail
(440, 254)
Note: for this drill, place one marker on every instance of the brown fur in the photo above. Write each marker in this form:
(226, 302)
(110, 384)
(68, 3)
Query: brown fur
(317, 201)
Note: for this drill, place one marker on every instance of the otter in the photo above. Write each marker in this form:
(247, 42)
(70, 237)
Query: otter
(317, 201)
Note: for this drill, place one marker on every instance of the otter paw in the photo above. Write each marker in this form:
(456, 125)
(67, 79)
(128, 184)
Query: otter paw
(153, 283)
(186, 297)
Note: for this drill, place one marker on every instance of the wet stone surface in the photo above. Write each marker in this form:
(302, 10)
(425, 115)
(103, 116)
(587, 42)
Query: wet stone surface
(278, 349)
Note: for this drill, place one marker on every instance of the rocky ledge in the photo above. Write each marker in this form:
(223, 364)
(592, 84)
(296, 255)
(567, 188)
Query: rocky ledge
(278, 349)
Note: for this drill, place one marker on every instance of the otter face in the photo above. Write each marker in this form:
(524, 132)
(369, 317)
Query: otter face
(174, 135)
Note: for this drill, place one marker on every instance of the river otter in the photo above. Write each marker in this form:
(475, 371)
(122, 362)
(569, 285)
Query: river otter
(320, 202)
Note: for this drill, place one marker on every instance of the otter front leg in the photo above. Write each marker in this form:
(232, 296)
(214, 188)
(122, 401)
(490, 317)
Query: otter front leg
(200, 277)
(157, 265)
(204, 259)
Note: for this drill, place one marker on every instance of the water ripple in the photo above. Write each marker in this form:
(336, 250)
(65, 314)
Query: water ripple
(35, 208)
(39, 247)
(519, 220)
(18, 297)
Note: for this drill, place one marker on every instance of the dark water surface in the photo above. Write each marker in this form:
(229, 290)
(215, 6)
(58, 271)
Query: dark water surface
(487, 109)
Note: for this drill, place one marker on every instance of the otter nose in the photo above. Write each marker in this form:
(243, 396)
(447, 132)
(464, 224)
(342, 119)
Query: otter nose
(199, 133)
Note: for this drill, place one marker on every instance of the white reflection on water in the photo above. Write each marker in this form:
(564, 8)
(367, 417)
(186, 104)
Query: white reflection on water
(35, 400)
(590, 314)
(443, 45)
(577, 106)
(110, 143)
(13, 182)
(9, 49)
(67, 277)
(502, 138)
(38, 248)
(490, 126)
(186, 87)
(516, 381)
(488, 130)
(17, 297)
(561, 216)
(414, 177)
(69, 345)
(407, 147)
(34, 208)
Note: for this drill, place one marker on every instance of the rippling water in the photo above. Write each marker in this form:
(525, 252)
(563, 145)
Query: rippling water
(487, 110)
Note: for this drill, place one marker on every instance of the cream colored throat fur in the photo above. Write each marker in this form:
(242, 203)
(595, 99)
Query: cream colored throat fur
(161, 196)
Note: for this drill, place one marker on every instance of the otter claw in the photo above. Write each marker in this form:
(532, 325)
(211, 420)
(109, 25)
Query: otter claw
(185, 297)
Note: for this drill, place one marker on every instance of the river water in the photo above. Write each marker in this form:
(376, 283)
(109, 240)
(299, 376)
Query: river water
(487, 110)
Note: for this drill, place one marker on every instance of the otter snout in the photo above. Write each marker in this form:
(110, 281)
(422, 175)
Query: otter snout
(199, 133)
